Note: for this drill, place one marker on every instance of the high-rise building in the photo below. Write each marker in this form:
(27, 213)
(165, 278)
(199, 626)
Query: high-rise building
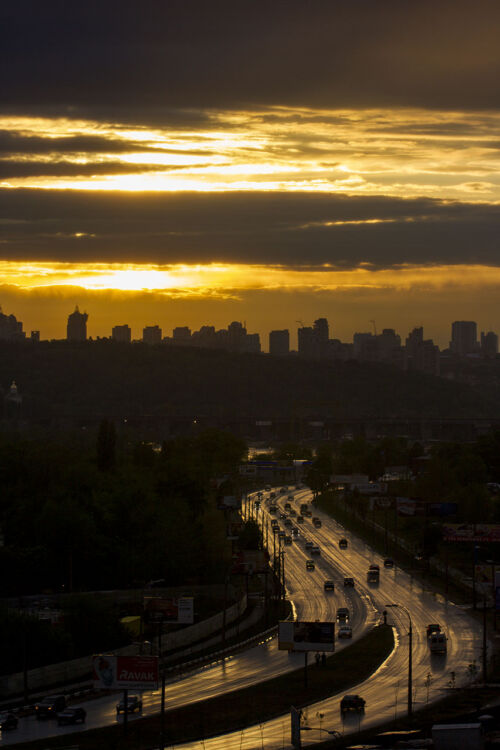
(252, 343)
(77, 326)
(181, 336)
(422, 354)
(305, 341)
(237, 334)
(151, 335)
(279, 342)
(489, 344)
(122, 334)
(11, 329)
(463, 337)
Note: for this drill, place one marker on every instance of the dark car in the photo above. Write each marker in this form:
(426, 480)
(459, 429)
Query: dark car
(71, 716)
(310, 565)
(343, 543)
(134, 703)
(433, 628)
(388, 562)
(352, 703)
(8, 721)
(348, 581)
(50, 706)
(329, 586)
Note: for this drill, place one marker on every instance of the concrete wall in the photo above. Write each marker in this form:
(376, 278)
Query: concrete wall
(79, 669)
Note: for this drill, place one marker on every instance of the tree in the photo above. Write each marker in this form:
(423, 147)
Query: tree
(106, 445)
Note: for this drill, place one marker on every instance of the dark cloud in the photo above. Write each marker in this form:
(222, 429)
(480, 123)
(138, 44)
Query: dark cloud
(272, 228)
(61, 168)
(148, 56)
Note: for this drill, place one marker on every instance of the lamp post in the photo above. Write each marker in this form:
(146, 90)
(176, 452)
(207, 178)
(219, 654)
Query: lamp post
(410, 636)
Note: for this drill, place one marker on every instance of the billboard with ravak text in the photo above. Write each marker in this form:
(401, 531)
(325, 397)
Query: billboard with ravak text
(125, 672)
(306, 636)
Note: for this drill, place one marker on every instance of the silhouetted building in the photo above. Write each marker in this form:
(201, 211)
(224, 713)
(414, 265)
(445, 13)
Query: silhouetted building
(237, 334)
(151, 335)
(252, 343)
(279, 342)
(489, 344)
(122, 334)
(35, 337)
(77, 326)
(181, 336)
(305, 342)
(13, 403)
(11, 329)
(463, 337)
(422, 355)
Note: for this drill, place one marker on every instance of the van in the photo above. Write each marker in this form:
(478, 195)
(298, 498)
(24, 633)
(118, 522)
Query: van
(437, 643)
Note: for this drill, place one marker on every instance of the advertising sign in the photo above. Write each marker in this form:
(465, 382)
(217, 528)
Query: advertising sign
(471, 532)
(165, 609)
(125, 672)
(250, 561)
(306, 636)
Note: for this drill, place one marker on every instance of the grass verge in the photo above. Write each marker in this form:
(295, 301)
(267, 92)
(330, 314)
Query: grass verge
(241, 708)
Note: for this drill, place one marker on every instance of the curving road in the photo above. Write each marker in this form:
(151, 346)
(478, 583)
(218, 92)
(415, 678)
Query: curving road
(385, 692)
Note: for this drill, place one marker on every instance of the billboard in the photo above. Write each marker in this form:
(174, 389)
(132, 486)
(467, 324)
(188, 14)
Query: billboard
(250, 561)
(306, 636)
(471, 532)
(125, 672)
(168, 609)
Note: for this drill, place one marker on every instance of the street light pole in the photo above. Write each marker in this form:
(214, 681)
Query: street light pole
(410, 655)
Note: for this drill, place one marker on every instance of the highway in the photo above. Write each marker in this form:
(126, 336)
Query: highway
(384, 692)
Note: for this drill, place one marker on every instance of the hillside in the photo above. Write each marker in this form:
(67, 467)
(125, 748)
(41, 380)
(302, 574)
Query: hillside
(102, 378)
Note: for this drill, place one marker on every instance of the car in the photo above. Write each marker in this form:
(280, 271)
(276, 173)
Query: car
(288, 506)
(342, 614)
(288, 539)
(317, 523)
(281, 534)
(8, 720)
(310, 565)
(274, 523)
(288, 522)
(134, 703)
(343, 543)
(307, 513)
(388, 562)
(309, 544)
(345, 631)
(282, 515)
(352, 703)
(374, 567)
(72, 715)
(50, 706)
(315, 550)
(273, 509)
(293, 512)
(295, 531)
(329, 586)
(433, 628)
(300, 519)
(349, 581)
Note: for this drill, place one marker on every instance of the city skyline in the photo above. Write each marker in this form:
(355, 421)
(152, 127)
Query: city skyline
(339, 161)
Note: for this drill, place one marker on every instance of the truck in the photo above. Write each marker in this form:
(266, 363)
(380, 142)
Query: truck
(437, 643)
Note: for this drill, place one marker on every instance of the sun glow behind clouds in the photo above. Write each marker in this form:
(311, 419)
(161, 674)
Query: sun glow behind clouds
(403, 152)
(214, 280)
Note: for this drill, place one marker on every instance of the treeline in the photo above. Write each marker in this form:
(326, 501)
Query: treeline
(447, 473)
(67, 380)
(78, 516)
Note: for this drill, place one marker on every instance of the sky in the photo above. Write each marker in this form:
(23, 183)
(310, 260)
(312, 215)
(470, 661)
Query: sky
(191, 162)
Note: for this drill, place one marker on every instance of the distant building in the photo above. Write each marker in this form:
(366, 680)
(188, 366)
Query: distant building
(13, 403)
(422, 355)
(463, 337)
(305, 342)
(77, 326)
(122, 334)
(11, 329)
(252, 343)
(151, 335)
(279, 343)
(181, 336)
(489, 344)
(237, 334)
(35, 337)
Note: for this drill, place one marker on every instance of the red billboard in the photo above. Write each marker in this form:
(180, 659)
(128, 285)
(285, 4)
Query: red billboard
(125, 672)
